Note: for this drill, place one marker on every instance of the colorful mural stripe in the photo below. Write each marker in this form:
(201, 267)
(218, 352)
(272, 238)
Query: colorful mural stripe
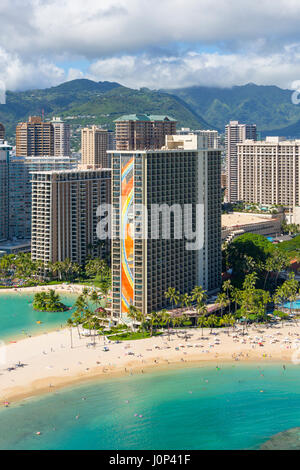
(127, 250)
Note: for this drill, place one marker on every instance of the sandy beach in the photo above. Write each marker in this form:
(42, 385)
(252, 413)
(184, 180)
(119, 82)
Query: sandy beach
(60, 288)
(47, 362)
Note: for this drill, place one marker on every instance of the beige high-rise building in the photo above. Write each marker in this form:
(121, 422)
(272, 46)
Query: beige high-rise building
(65, 214)
(61, 135)
(235, 133)
(211, 138)
(269, 171)
(149, 256)
(143, 132)
(94, 146)
(34, 138)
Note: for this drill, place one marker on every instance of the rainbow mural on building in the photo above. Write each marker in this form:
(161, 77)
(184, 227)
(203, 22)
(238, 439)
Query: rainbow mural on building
(127, 249)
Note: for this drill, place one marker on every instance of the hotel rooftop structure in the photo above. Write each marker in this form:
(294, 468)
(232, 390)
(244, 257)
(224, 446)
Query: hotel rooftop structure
(64, 214)
(145, 260)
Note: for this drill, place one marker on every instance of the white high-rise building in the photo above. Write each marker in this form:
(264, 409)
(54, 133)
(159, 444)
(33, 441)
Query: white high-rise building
(235, 133)
(61, 137)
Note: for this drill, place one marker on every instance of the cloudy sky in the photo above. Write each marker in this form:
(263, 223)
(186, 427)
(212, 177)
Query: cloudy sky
(152, 43)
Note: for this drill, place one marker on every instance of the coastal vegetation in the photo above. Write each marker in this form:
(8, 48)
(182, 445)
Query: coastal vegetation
(20, 270)
(48, 302)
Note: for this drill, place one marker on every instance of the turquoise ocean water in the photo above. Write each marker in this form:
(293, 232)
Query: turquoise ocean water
(236, 407)
(17, 316)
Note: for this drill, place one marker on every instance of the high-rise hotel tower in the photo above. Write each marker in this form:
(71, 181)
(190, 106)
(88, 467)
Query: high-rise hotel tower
(235, 133)
(184, 177)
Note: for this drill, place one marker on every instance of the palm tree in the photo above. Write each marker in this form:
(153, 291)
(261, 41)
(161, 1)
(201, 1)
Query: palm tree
(186, 300)
(222, 301)
(227, 320)
(166, 318)
(212, 321)
(202, 321)
(173, 296)
(136, 315)
(70, 324)
(199, 294)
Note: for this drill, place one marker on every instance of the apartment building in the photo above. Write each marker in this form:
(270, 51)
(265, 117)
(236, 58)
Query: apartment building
(2, 131)
(269, 171)
(38, 138)
(235, 133)
(34, 137)
(143, 265)
(94, 145)
(141, 131)
(61, 136)
(211, 137)
(64, 214)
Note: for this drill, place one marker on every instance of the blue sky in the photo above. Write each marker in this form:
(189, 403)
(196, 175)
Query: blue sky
(153, 43)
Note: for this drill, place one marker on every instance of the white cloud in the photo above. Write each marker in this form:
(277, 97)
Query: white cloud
(199, 69)
(95, 28)
(127, 40)
(21, 75)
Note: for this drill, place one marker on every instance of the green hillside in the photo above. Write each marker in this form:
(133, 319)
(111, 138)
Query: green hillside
(83, 102)
(269, 107)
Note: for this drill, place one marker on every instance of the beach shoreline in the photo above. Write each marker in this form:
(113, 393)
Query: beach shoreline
(61, 288)
(50, 363)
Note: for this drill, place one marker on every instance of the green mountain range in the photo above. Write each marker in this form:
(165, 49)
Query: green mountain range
(85, 102)
(269, 107)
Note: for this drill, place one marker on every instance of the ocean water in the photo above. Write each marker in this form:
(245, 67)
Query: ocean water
(17, 317)
(234, 407)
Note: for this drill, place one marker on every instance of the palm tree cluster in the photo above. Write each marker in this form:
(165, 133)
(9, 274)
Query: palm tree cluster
(19, 266)
(88, 313)
(48, 302)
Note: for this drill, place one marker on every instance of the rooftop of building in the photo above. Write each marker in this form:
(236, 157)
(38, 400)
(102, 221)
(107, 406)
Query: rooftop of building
(234, 219)
(10, 244)
(148, 151)
(70, 171)
(271, 140)
(144, 117)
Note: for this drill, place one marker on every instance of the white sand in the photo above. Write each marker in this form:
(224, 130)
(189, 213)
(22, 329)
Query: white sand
(62, 288)
(51, 363)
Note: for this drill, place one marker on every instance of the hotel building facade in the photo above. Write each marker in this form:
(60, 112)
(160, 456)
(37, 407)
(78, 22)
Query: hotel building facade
(143, 132)
(94, 146)
(38, 138)
(269, 171)
(143, 266)
(64, 214)
(235, 133)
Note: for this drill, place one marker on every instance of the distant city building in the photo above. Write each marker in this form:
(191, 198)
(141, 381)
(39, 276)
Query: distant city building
(211, 139)
(235, 133)
(61, 135)
(269, 171)
(111, 140)
(144, 267)
(34, 137)
(16, 189)
(2, 131)
(94, 146)
(38, 138)
(64, 214)
(141, 131)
